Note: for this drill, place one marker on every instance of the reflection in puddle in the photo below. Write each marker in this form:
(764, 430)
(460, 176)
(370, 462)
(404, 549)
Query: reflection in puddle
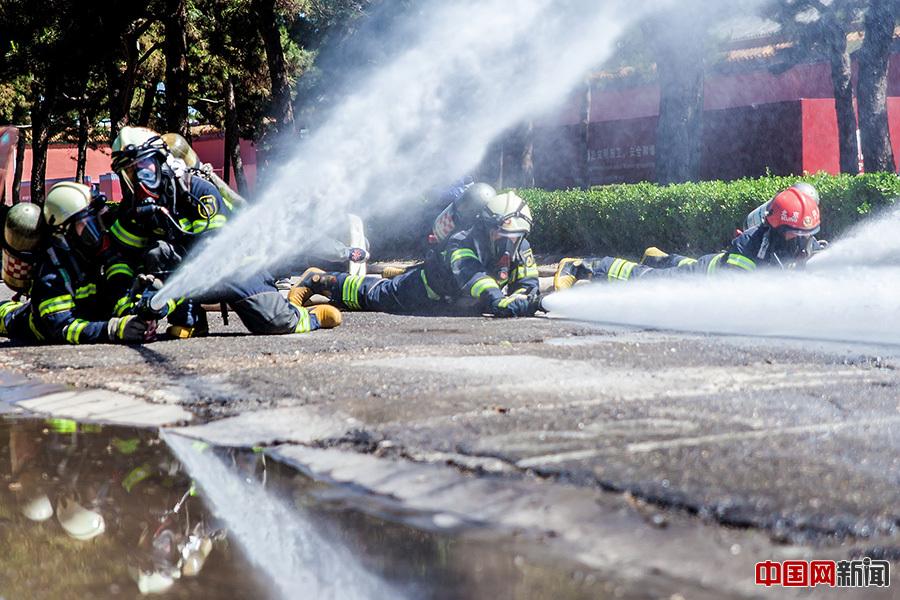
(90, 511)
(279, 539)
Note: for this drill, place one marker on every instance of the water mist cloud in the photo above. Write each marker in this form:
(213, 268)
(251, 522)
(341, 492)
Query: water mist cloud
(871, 242)
(842, 296)
(422, 119)
(847, 306)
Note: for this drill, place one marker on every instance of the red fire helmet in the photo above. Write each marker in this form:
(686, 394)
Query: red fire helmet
(792, 210)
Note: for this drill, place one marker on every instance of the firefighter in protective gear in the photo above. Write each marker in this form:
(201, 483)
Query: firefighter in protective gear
(80, 293)
(475, 267)
(784, 239)
(163, 215)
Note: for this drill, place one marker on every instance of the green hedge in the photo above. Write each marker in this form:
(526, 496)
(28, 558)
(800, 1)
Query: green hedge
(690, 218)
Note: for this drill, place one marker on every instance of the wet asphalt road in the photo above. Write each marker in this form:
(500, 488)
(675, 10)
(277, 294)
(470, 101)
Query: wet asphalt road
(710, 443)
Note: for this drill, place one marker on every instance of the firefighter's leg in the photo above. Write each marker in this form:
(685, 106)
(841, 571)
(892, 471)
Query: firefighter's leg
(7, 308)
(268, 313)
(609, 268)
(404, 293)
(16, 322)
(708, 264)
(313, 281)
(656, 258)
(344, 290)
(352, 291)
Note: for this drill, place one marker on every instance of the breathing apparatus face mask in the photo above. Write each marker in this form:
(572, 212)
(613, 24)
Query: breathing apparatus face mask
(144, 176)
(503, 247)
(793, 247)
(86, 234)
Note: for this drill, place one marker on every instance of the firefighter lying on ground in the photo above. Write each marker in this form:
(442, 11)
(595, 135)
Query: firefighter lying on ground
(783, 238)
(472, 266)
(80, 292)
(162, 217)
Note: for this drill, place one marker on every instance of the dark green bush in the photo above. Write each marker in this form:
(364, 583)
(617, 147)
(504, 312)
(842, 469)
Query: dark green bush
(689, 218)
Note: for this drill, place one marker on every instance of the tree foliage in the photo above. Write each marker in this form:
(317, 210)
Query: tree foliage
(818, 29)
(73, 66)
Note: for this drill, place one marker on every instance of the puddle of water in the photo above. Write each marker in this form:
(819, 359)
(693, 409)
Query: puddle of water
(101, 512)
(110, 512)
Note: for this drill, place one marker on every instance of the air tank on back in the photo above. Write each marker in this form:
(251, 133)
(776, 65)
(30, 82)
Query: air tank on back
(460, 214)
(21, 237)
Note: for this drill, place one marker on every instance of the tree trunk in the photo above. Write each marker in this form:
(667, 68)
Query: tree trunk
(147, 105)
(233, 140)
(20, 166)
(584, 148)
(176, 68)
(680, 71)
(281, 92)
(872, 86)
(120, 85)
(44, 102)
(83, 133)
(528, 155)
(116, 98)
(40, 142)
(841, 74)
(516, 166)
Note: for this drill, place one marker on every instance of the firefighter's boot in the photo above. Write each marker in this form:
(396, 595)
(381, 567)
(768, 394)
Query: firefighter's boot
(569, 271)
(391, 272)
(183, 331)
(654, 257)
(313, 281)
(191, 325)
(328, 316)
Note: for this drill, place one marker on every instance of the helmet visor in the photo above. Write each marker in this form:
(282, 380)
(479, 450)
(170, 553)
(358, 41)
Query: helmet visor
(505, 242)
(144, 171)
(87, 234)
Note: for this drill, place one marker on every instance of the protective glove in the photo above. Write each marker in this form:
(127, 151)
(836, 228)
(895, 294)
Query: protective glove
(129, 330)
(514, 305)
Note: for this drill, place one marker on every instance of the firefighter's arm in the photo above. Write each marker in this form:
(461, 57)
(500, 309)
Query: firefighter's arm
(120, 276)
(55, 307)
(470, 275)
(130, 237)
(524, 277)
(474, 280)
(487, 291)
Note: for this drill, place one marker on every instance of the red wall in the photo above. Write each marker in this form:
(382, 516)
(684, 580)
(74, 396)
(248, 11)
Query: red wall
(61, 165)
(780, 138)
(819, 131)
(745, 141)
(755, 122)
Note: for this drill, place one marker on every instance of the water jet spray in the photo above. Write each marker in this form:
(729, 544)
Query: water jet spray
(847, 293)
(421, 119)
